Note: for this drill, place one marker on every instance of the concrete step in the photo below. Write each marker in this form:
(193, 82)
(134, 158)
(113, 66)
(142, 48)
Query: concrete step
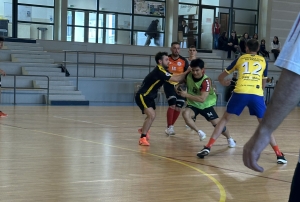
(8, 43)
(31, 60)
(56, 74)
(52, 83)
(66, 97)
(60, 88)
(58, 78)
(64, 92)
(28, 55)
(25, 64)
(70, 102)
(25, 48)
(5, 55)
(42, 69)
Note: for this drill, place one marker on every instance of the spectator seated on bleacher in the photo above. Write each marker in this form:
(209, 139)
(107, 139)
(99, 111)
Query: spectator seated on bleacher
(223, 43)
(262, 49)
(275, 45)
(243, 42)
(233, 45)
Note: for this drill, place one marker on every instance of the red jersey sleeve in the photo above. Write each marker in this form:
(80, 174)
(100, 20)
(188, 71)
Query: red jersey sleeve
(206, 85)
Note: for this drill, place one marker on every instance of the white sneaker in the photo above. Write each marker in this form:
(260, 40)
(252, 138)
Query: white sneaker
(231, 143)
(170, 130)
(201, 134)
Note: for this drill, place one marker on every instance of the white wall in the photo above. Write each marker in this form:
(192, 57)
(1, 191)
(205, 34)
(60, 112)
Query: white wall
(283, 15)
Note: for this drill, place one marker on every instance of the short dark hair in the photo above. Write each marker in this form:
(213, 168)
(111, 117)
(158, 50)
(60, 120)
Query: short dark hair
(252, 45)
(175, 43)
(197, 63)
(159, 56)
(1, 38)
(192, 46)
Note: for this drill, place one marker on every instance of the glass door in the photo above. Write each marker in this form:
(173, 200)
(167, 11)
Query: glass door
(206, 35)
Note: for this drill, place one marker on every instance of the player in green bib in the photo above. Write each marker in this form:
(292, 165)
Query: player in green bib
(201, 99)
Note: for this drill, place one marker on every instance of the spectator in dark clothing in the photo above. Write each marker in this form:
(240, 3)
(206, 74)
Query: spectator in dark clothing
(185, 28)
(223, 41)
(152, 33)
(243, 42)
(255, 36)
(262, 49)
(233, 44)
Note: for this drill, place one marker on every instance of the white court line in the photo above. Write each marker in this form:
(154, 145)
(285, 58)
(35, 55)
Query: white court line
(273, 151)
(59, 117)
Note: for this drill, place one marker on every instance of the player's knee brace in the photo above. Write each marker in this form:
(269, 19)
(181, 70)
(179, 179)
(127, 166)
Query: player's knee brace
(224, 129)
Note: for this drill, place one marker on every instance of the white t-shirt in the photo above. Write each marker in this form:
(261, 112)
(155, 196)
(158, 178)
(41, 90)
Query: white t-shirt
(289, 55)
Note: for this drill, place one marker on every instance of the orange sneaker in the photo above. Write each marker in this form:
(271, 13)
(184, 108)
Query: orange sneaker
(143, 142)
(147, 135)
(2, 114)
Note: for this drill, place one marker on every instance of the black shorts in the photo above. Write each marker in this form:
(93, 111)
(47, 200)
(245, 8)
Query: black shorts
(208, 113)
(295, 187)
(144, 102)
(172, 97)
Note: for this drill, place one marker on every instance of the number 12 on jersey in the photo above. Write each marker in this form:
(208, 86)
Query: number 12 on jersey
(256, 65)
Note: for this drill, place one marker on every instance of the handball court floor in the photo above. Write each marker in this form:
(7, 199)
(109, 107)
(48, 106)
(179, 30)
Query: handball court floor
(50, 153)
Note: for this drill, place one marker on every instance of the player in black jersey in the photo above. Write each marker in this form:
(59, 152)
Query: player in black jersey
(148, 91)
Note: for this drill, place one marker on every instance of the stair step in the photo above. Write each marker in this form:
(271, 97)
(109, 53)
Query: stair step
(64, 92)
(42, 69)
(57, 74)
(9, 43)
(66, 97)
(52, 83)
(28, 55)
(25, 48)
(62, 88)
(32, 60)
(58, 78)
(69, 103)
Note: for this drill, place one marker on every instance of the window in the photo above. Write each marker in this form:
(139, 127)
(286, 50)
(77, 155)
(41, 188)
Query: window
(121, 6)
(244, 16)
(38, 2)
(226, 3)
(189, 1)
(247, 4)
(36, 19)
(88, 5)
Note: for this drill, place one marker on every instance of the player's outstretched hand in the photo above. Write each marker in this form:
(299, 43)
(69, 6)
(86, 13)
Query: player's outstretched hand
(251, 156)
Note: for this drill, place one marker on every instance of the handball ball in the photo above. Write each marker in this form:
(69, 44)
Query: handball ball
(181, 87)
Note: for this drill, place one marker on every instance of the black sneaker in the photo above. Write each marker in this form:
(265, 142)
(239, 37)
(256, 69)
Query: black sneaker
(281, 159)
(204, 152)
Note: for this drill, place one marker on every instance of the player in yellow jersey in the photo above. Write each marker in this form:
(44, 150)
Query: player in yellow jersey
(252, 73)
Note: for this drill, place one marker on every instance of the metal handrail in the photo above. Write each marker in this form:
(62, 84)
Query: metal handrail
(122, 64)
(19, 75)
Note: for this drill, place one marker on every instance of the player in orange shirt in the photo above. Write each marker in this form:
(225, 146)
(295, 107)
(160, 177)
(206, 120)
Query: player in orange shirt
(177, 65)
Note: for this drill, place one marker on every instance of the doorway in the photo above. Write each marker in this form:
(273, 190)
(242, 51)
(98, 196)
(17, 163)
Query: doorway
(207, 16)
(224, 21)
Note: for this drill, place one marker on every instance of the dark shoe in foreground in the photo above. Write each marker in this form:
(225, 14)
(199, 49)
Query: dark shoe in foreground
(204, 152)
(281, 159)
